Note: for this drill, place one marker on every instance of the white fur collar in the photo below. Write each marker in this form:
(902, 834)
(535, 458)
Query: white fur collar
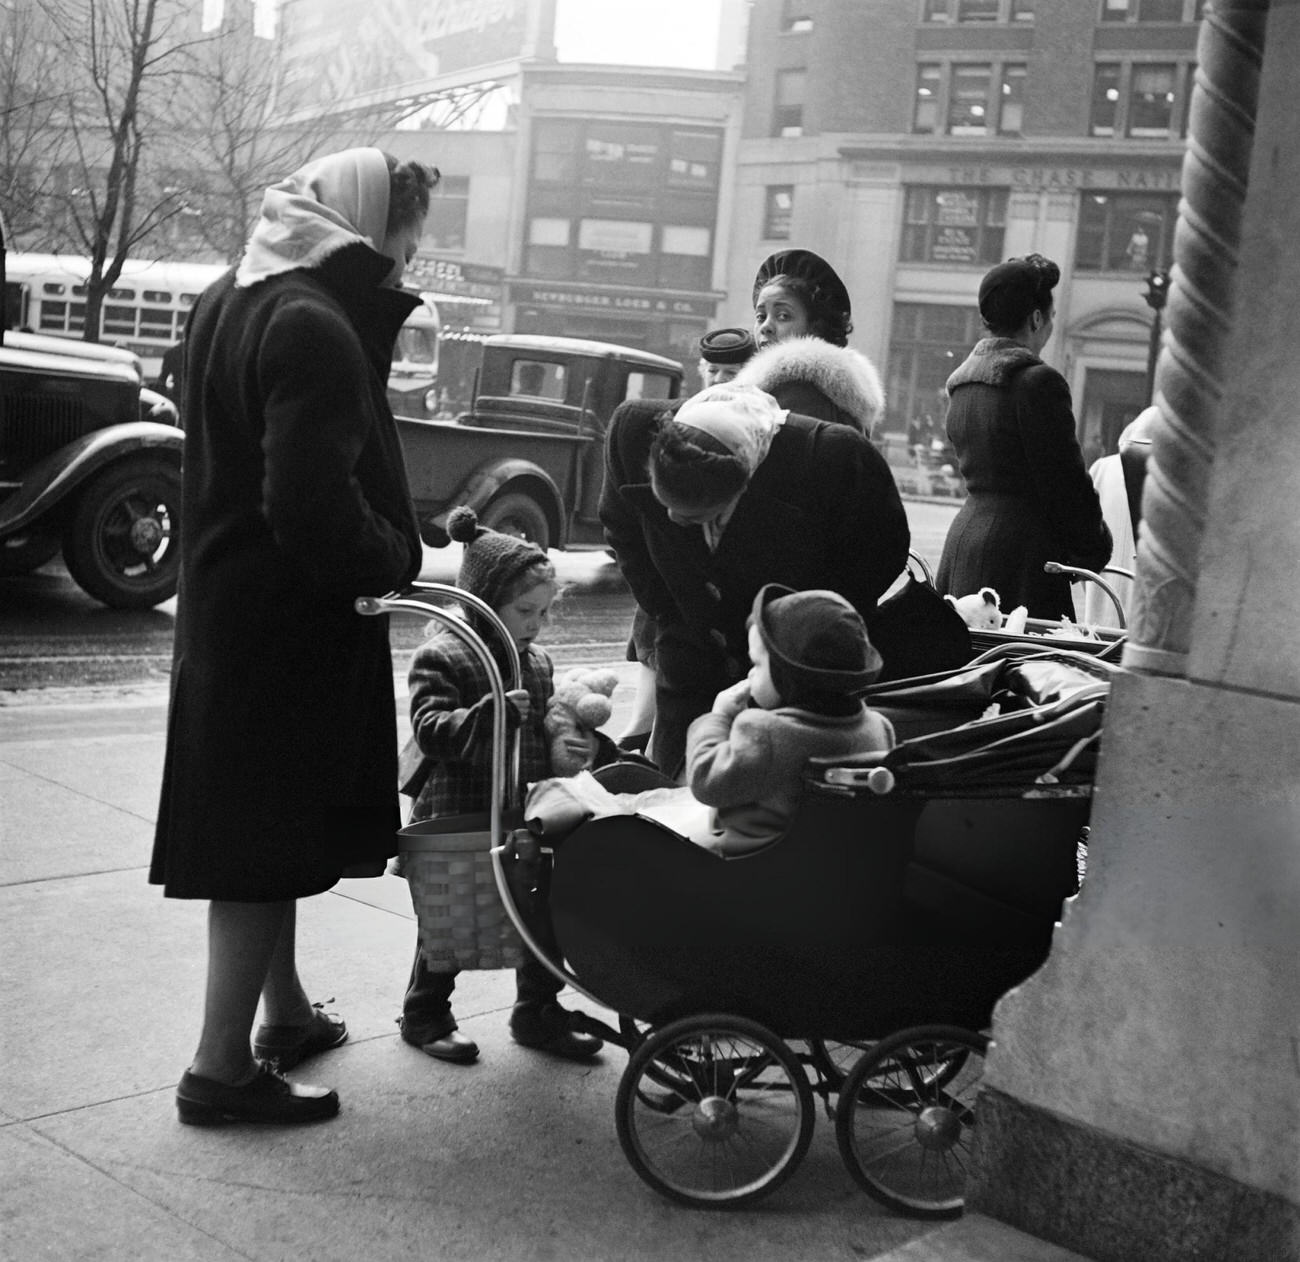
(845, 376)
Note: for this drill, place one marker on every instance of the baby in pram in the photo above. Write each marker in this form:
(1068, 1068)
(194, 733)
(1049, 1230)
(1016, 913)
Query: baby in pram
(811, 660)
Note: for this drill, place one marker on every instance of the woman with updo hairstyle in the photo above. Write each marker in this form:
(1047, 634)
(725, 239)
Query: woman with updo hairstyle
(704, 506)
(802, 322)
(1030, 499)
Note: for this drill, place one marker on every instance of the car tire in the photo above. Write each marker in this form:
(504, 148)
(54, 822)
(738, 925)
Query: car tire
(518, 515)
(122, 544)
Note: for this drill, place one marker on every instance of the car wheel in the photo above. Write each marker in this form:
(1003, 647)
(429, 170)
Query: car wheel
(122, 545)
(518, 515)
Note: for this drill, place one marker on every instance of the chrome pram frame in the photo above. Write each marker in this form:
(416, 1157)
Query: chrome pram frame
(878, 1002)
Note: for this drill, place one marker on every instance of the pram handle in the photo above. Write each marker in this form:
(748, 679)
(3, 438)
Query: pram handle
(414, 599)
(1081, 575)
(408, 600)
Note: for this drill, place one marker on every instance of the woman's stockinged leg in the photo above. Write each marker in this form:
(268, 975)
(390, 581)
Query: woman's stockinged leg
(284, 1002)
(242, 939)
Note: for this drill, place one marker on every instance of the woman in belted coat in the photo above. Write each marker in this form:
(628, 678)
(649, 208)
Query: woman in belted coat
(705, 507)
(1030, 499)
(281, 757)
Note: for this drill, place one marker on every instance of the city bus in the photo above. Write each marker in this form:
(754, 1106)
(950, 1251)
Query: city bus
(144, 312)
(146, 309)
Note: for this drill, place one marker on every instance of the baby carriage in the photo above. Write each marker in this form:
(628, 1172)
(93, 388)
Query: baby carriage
(857, 959)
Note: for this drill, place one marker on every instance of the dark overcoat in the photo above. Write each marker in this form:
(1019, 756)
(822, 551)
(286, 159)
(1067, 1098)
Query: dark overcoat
(1030, 499)
(281, 756)
(821, 511)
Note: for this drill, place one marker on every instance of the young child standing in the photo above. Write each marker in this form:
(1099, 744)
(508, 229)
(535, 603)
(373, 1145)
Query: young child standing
(811, 658)
(451, 723)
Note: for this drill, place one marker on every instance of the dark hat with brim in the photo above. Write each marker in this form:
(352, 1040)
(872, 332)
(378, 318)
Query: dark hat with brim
(727, 346)
(806, 266)
(817, 638)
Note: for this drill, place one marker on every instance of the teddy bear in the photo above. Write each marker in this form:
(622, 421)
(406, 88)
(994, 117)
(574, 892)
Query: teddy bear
(578, 706)
(981, 610)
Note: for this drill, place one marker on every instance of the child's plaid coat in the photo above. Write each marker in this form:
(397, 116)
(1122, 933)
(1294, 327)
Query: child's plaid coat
(451, 721)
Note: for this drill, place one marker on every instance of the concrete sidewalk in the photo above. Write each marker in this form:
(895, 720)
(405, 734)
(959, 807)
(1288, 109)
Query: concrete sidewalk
(515, 1157)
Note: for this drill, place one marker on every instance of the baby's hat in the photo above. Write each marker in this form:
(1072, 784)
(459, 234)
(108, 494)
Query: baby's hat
(816, 638)
(491, 561)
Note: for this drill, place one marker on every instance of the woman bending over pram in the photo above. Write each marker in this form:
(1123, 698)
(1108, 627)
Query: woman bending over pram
(811, 659)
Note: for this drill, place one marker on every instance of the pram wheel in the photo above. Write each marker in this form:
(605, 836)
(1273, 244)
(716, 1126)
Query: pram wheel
(905, 1116)
(835, 1060)
(714, 1111)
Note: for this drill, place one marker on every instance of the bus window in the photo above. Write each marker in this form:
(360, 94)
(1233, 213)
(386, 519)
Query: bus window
(417, 345)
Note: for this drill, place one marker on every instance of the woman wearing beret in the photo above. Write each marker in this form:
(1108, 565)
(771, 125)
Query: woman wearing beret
(704, 506)
(802, 325)
(1010, 421)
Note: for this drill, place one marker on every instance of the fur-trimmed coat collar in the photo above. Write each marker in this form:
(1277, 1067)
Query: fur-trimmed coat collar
(993, 361)
(845, 376)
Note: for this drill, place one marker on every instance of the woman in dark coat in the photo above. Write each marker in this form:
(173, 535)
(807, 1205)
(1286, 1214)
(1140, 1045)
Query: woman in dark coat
(1009, 419)
(704, 507)
(281, 753)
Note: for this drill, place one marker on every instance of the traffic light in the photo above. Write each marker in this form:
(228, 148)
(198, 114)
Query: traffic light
(1157, 290)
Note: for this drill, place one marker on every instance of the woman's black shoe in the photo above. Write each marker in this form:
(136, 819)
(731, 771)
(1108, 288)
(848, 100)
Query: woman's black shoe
(284, 1046)
(266, 1098)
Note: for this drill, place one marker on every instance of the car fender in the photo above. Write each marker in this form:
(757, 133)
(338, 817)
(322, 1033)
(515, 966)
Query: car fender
(482, 486)
(51, 480)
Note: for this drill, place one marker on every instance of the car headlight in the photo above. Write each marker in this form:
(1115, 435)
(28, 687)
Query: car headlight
(431, 400)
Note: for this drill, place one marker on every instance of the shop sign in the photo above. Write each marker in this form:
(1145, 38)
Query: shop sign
(644, 302)
(453, 276)
(1052, 178)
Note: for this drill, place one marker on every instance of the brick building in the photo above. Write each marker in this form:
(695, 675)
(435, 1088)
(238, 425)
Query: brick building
(916, 142)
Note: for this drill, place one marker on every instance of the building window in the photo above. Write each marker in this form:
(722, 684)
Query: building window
(1125, 232)
(694, 159)
(791, 85)
(968, 100)
(1011, 116)
(955, 226)
(974, 98)
(977, 11)
(685, 256)
(1151, 100)
(925, 119)
(444, 226)
(927, 343)
(555, 153)
(796, 17)
(1152, 10)
(778, 212)
(1144, 100)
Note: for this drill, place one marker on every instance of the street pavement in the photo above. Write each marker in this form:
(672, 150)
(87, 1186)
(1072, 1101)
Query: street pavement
(513, 1158)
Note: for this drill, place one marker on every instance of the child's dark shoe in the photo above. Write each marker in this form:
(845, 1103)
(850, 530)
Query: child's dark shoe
(284, 1046)
(548, 1028)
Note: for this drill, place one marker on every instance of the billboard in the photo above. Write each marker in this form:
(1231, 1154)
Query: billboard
(338, 50)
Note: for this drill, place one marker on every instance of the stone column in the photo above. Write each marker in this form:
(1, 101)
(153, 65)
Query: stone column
(1142, 1098)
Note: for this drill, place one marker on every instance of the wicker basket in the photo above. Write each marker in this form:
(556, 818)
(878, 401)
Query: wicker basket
(463, 922)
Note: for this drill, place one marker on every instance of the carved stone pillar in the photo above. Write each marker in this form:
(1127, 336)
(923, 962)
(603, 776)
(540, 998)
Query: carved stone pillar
(1142, 1098)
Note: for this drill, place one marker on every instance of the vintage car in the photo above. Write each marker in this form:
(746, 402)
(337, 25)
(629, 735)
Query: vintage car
(90, 464)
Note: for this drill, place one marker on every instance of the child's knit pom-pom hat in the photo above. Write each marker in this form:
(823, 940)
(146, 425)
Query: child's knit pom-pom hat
(492, 562)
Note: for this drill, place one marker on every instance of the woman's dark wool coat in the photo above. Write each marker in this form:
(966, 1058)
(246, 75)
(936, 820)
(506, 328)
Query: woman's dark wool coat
(1030, 499)
(281, 759)
(821, 511)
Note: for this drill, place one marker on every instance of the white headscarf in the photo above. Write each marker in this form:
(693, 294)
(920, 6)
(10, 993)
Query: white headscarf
(744, 419)
(329, 203)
